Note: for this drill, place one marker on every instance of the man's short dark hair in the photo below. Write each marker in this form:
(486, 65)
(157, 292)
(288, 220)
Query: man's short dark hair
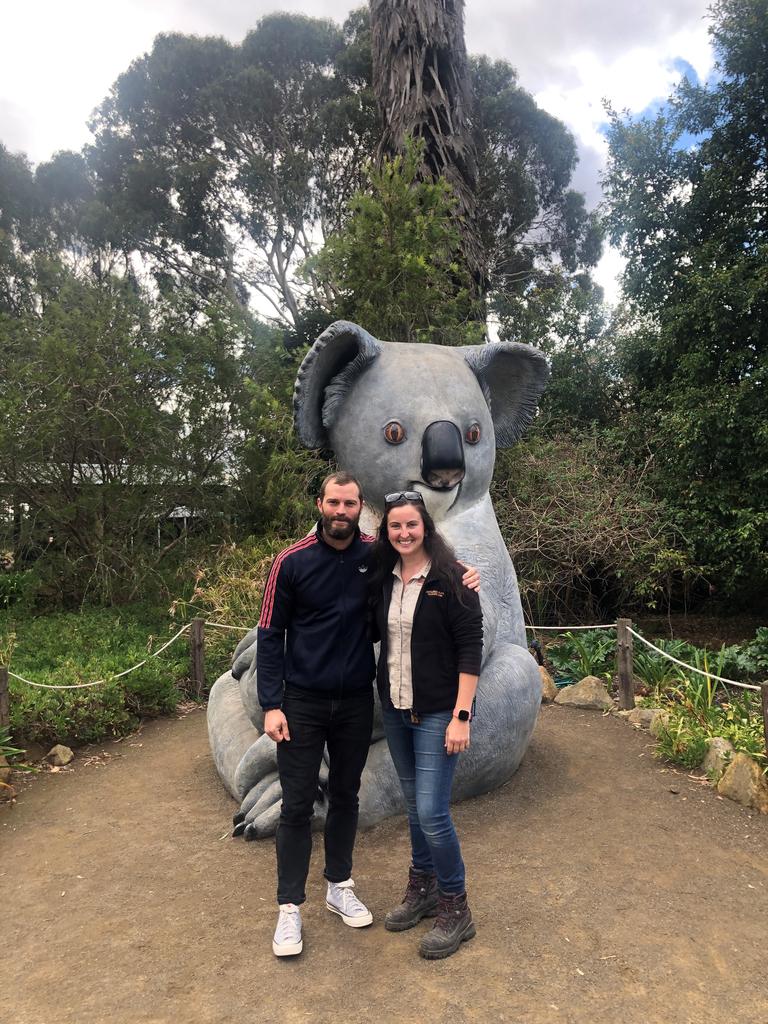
(342, 479)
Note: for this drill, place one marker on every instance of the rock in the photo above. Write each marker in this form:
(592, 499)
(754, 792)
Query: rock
(744, 782)
(659, 722)
(642, 717)
(548, 689)
(719, 753)
(59, 755)
(589, 692)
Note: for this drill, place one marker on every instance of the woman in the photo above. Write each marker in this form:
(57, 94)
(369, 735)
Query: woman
(431, 633)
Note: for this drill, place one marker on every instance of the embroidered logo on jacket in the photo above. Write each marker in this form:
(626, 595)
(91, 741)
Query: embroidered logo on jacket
(435, 593)
(362, 568)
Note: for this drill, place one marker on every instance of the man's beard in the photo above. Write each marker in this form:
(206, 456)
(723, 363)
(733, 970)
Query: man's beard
(339, 530)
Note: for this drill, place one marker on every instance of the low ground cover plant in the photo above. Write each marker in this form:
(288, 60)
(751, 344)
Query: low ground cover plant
(95, 643)
(699, 707)
(587, 653)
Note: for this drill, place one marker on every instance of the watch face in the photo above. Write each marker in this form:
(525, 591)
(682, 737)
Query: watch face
(463, 716)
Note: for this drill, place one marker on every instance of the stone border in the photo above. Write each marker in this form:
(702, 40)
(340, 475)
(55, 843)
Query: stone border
(734, 775)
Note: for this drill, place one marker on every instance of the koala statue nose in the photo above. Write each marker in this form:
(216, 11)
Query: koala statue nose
(442, 455)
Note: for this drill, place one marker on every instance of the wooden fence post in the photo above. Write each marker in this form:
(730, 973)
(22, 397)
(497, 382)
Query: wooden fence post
(5, 703)
(197, 657)
(624, 664)
(764, 695)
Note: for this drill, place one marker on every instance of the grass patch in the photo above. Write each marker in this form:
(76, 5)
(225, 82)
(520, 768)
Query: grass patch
(64, 648)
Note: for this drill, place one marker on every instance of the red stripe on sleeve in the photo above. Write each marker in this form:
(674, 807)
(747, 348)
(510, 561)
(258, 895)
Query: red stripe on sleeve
(269, 591)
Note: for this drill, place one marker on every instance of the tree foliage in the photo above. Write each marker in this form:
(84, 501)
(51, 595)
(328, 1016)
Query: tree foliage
(231, 165)
(688, 204)
(219, 161)
(113, 413)
(396, 266)
(535, 229)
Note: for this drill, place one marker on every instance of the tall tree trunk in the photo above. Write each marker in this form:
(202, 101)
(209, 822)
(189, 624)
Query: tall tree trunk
(422, 88)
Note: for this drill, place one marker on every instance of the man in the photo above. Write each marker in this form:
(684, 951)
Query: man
(315, 669)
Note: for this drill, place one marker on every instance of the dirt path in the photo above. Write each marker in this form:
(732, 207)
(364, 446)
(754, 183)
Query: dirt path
(599, 894)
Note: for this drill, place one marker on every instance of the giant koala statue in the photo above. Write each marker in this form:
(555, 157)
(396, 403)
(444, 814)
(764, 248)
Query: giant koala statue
(454, 406)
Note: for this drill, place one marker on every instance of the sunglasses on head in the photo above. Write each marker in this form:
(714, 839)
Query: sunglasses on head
(395, 496)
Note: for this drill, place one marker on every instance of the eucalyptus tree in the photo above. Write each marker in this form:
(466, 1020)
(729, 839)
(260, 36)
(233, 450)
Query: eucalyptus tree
(423, 91)
(224, 164)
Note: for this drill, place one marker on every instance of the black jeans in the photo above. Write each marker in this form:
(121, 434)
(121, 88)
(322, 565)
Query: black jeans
(345, 726)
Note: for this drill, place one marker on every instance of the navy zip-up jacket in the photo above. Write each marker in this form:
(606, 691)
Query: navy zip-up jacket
(313, 631)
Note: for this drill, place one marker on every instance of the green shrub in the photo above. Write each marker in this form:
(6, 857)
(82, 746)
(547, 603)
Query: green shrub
(748, 661)
(587, 536)
(683, 741)
(656, 671)
(229, 589)
(588, 653)
(14, 587)
(702, 708)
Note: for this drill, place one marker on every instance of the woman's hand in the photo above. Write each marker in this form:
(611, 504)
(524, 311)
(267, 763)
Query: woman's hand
(456, 736)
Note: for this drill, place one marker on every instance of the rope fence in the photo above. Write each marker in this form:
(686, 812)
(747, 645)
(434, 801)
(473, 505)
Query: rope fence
(624, 660)
(692, 668)
(99, 682)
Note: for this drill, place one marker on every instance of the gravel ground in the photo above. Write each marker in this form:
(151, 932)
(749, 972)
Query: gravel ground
(605, 888)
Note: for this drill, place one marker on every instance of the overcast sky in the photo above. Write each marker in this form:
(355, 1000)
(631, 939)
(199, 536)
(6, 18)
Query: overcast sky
(58, 59)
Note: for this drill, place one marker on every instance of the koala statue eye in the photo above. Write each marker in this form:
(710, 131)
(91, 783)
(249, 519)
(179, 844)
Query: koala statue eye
(394, 432)
(473, 433)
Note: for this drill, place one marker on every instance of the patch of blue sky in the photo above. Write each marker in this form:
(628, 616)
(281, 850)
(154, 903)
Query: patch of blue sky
(687, 140)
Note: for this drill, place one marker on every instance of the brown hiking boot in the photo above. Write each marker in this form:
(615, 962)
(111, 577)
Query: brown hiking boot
(420, 900)
(453, 926)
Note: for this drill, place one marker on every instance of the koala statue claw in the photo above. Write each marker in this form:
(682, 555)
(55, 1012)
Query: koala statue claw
(407, 417)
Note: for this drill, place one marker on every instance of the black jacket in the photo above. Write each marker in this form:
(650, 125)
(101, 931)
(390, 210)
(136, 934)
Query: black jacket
(313, 626)
(447, 639)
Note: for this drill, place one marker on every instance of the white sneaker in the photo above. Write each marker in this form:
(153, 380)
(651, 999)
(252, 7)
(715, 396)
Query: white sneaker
(287, 940)
(341, 900)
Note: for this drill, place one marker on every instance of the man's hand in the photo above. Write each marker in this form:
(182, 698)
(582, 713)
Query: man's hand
(471, 577)
(276, 725)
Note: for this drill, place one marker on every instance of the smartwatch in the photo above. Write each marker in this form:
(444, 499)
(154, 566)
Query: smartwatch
(463, 716)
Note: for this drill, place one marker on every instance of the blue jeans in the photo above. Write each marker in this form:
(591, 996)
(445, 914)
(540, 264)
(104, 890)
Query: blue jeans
(426, 774)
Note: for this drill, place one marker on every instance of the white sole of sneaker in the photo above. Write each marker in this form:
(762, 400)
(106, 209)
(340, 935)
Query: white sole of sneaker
(353, 922)
(288, 948)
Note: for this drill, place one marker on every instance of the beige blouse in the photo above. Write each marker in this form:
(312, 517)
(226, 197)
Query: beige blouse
(399, 629)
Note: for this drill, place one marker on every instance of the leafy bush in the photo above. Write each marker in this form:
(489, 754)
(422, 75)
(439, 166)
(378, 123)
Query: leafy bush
(683, 741)
(14, 587)
(591, 653)
(656, 671)
(748, 661)
(702, 708)
(229, 589)
(587, 536)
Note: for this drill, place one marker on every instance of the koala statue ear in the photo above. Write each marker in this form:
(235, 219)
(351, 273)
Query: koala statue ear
(512, 377)
(325, 376)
